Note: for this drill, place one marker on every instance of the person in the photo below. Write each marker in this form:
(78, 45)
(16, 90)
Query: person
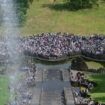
(91, 102)
(76, 99)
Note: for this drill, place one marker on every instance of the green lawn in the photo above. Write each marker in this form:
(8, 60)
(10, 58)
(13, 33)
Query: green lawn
(4, 92)
(45, 16)
(94, 65)
(98, 93)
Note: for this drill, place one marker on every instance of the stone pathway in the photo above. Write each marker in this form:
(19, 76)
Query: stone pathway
(55, 88)
(52, 87)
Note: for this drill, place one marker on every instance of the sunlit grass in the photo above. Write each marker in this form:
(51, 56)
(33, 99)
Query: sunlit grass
(94, 65)
(4, 92)
(98, 93)
(42, 18)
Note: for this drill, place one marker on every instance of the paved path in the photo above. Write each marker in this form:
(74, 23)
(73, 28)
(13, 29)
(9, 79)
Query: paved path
(55, 88)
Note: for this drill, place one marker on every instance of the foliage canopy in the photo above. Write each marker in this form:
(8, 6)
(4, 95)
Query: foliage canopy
(81, 4)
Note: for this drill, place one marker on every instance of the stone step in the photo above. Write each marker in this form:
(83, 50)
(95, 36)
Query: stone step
(66, 75)
(36, 96)
(69, 96)
(51, 98)
(39, 76)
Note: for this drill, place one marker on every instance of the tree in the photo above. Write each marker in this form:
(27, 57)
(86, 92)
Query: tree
(79, 64)
(21, 9)
(80, 4)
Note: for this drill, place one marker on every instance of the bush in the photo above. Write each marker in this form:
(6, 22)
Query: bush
(79, 64)
(81, 4)
(21, 9)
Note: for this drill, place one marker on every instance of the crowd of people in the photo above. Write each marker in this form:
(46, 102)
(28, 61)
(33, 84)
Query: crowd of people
(58, 45)
(81, 89)
(50, 45)
(24, 92)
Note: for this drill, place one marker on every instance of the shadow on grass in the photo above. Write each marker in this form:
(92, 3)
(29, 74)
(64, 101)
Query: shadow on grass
(100, 80)
(21, 9)
(59, 7)
(103, 64)
(102, 99)
(62, 6)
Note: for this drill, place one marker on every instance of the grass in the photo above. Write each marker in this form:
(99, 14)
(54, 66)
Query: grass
(94, 65)
(45, 16)
(4, 92)
(98, 93)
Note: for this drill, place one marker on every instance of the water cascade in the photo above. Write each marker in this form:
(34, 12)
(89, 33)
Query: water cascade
(11, 34)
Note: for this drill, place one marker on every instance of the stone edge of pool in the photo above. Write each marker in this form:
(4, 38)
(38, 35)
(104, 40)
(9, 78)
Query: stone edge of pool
(51, 59)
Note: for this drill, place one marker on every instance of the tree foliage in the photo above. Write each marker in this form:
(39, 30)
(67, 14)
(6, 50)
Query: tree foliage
(79, 64)
(21, 8)
(80, 4)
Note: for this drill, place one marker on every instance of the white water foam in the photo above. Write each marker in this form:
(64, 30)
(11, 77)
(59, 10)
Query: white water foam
(11, 34)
